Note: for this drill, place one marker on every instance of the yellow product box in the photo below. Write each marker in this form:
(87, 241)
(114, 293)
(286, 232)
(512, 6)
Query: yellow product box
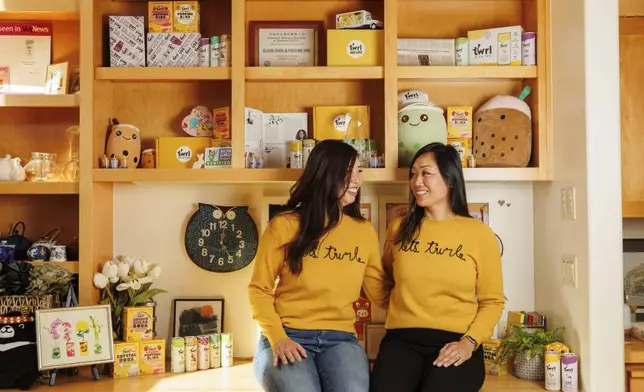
(152, 357)
(492, 358)
(330, 122)
(459, 121)
(500, 46)
(355, 47)
(180, 152)
(221, 123)
(126, 359)
(160, 16)
(186, 16)
(138, 323)
(463, 146)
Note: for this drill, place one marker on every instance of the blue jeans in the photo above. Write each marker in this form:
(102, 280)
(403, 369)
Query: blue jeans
(335, 363)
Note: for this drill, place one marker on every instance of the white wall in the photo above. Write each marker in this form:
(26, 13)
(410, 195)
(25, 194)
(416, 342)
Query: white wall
(149, 221)
(585, 109)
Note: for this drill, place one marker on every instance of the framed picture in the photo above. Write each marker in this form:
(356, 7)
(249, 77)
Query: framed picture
(286, 44)
(390, 207)
(57, 80)
(373, 334)
(74, 80)
(198, 316)
(76, 336)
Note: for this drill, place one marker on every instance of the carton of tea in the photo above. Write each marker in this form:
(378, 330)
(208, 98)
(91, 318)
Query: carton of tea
(138, 324)
(160, 16)
(126, 359)
(152, 357)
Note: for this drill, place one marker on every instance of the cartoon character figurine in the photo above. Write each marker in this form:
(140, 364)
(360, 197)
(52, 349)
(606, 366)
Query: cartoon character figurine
(362, 307)
(420, 122)
(124, 141)
(18, 354)
(502, 132)
(198, 122)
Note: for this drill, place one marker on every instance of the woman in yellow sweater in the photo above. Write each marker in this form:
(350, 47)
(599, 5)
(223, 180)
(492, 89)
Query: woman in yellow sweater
(448, 287)
(321, 249)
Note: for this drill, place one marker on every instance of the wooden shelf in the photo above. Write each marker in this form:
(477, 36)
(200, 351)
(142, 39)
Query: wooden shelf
(162, 74)
(71, 266)
(40, 100)
(291, 175)
(470, 72)
(38, 188)
(40, 9)
(313, 73)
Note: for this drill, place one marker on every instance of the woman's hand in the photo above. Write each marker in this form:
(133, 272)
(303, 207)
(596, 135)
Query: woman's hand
(455, 353)
(288, 351)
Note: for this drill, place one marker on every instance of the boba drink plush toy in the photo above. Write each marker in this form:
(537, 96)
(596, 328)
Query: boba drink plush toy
(124, 141)
(502, 132)
(420, 122)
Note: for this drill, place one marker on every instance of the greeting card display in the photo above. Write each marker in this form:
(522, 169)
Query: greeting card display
(221, 239)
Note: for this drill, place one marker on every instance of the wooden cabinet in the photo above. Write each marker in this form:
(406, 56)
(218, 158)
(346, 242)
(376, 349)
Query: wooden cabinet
(632, 119)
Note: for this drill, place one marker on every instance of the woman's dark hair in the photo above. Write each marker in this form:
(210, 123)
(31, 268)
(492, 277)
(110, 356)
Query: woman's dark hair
(315, 198)
(450, 168)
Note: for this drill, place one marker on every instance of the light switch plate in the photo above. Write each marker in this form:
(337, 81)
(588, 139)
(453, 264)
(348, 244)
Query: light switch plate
(568, 208)
(569, 270)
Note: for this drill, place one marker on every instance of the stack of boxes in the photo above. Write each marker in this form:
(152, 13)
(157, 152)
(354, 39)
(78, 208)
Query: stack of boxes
(139, 353)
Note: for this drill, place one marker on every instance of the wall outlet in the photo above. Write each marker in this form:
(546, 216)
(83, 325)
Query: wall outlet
(569, 270)
(568, 209)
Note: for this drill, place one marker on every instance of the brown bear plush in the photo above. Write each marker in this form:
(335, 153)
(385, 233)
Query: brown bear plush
(502, 132)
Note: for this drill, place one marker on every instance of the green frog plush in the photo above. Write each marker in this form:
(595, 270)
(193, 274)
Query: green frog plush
(419, 124)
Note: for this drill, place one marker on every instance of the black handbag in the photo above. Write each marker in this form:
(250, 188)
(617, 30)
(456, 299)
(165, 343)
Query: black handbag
(20, 241)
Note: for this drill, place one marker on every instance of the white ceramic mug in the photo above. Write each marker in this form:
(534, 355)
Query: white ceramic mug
(58, 253)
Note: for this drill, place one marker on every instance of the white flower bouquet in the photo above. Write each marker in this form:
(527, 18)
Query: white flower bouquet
(125, 281)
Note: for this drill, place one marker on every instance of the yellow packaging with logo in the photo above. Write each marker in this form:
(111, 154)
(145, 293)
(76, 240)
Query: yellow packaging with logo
(126, 359)
(463, 146)
(152, 357)
(330, 122)
(180, 152)
(138, 323)
(355, 48)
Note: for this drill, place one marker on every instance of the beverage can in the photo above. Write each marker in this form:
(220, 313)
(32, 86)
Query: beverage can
(569, 372)
(214, 51)
(226, 349)
(203, 357)
(177, 355)
(529, 50)
(215, 350)
(462, 51)
(295, 157)
(224, 51)
(204, 52)
(191, 353)
(307, 147)
(553, 370)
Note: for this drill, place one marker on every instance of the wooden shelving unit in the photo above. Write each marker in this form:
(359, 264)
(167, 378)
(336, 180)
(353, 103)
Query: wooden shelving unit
(467, 73)
(40, 9)
(39, 101)
(71, 266)
(314, 73)
(38, 188)
(161, 74)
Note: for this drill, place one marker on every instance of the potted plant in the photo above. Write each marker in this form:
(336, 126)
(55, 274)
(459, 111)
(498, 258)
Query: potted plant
(527, 348)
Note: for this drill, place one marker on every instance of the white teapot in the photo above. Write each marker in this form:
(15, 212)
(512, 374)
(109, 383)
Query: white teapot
(11, 170)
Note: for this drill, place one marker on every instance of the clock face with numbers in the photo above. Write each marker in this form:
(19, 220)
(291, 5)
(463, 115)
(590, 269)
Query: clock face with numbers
(221, 239)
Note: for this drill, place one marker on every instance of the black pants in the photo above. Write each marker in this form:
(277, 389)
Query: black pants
(405, 364)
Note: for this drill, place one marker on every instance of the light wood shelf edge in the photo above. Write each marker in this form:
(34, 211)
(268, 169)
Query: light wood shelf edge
(162, 74)
(71, 266)
(467, 72)
(39, 188)
(43, 10)
(40, 100)
(313, 73)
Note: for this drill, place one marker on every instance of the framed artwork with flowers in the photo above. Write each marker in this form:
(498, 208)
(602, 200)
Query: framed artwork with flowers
(198, 316)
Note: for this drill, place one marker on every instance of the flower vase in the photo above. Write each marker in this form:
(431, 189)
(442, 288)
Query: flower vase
(69, 348)
(83, 349)
(55, 354)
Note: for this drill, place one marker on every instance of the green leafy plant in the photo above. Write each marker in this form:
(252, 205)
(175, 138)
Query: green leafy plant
(531, 343)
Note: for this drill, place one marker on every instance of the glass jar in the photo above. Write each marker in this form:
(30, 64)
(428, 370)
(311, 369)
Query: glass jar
(42, 167)
(72, 169)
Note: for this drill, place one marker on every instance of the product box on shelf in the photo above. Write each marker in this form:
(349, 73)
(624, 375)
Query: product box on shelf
(126, 359)
(463, 146)
(330, 122)
(160, 16)
(492, 358)
(25, 53)
(499, 46)
(152, 357)
(186, 16)
(355, 47)
(221, 123)
(459, 121)
(127, 41)
(173, 49)
(180, 152)
(138, 323)
(426, 51)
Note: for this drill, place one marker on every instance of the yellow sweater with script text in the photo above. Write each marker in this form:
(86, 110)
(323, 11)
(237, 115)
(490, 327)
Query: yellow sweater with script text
(321, 297)
(449, 278)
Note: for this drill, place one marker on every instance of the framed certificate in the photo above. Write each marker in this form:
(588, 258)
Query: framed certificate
(285, 44)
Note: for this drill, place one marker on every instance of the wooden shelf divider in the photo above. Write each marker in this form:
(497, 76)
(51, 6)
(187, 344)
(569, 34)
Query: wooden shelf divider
(313, 73)
(71, 266)
(151, 74)
(40, 9)
(38, 188)
(468, 72)
(40, 100)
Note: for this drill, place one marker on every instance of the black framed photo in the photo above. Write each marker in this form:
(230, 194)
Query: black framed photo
(198, 316)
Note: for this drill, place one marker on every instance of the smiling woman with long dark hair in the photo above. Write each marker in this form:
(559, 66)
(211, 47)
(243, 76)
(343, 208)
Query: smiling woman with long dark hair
(448, 287)
(322, 250)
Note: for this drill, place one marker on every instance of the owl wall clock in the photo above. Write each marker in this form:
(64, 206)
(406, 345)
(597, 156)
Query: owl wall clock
(221, 239)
